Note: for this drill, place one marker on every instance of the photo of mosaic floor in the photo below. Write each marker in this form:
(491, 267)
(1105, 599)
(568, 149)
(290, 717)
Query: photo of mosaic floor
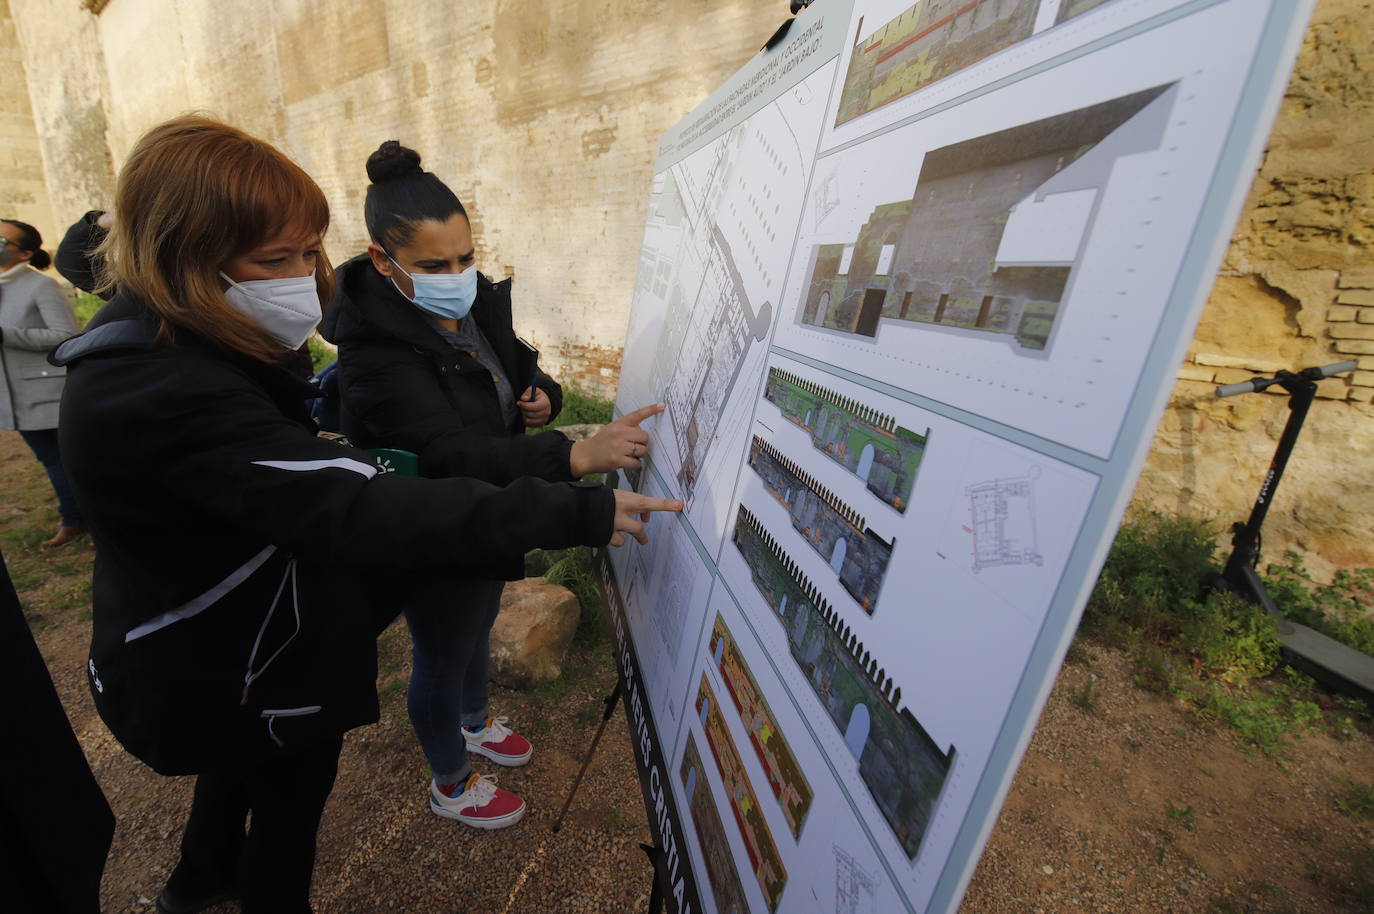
(785, 776)
(744, 803)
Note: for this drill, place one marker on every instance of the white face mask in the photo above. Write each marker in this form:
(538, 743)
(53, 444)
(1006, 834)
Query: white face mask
(288, 309)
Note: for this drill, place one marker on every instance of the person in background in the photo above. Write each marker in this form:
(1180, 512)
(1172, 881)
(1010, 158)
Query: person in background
(34, 317)
(243, 654)
(429, 362)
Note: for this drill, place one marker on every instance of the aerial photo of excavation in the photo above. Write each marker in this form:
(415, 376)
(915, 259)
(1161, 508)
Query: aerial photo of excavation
(715, 848)
(785, 776)
(744, 803)
(990, 236)
(836, 531)
(902, 767)
(930, 40)
(864, 441)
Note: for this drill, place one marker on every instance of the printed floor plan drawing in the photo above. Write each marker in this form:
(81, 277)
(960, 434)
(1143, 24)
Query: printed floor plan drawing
(1003, 522)
(744, 803)
(785, 776)
(838, 533)
(929, 41)
(855, 887)
(989, 239)
(902, 767)
(864, 441)
(721, 223)
(715, 847)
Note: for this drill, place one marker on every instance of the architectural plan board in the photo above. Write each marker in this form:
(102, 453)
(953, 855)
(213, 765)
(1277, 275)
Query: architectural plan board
(914, 287)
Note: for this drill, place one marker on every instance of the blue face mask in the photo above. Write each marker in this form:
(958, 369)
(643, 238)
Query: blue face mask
(446, 295)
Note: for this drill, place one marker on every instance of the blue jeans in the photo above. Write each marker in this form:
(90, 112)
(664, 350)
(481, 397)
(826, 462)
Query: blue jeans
(43, 443)
(450, 619)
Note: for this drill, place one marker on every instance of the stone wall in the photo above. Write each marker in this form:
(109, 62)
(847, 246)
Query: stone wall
(1294, 290)
(23, 192)
(544, 115)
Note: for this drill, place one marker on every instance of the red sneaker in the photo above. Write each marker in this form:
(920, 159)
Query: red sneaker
(499, 743)
(480, 803)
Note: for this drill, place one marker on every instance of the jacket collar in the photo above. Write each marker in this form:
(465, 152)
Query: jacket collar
(125, 324)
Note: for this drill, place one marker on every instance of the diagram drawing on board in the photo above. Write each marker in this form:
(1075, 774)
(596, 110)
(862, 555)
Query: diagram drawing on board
(1003, 522)
(744, 803)
(988, 241)
(864, 441)
(838, 533)
(902, 767)
(856, 889)
(928, 41)
(785, 776)
(715, 848)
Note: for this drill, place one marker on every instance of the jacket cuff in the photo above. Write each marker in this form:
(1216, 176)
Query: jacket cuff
(596, 513)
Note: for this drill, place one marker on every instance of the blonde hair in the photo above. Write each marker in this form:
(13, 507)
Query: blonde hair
(194, 193)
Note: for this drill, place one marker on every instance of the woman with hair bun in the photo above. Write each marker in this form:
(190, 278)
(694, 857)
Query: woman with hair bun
(34, 317)
(243, 654)
(429, 362)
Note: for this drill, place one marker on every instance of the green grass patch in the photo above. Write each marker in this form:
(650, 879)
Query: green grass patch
(85, 306)
(1216, 650)
(583, 409)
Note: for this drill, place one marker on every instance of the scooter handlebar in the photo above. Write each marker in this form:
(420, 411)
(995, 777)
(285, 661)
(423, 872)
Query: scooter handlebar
(1312, 374)
(1326, 371)
(1231, 390)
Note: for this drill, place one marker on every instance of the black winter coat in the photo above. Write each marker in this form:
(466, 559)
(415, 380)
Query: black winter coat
(403, 386)
(236, 551)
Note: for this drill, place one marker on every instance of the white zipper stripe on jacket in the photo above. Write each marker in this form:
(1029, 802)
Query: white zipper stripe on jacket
(204, 601)
(285, 712)
(305, 466)
(250, 675)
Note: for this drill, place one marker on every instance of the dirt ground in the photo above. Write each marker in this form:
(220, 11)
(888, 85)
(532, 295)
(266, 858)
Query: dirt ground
(1127, 803)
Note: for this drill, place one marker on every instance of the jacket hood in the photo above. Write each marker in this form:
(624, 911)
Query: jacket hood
(367, 307)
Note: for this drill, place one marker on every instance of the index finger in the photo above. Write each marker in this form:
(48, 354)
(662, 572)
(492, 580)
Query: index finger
(644, 412)
(646, 503)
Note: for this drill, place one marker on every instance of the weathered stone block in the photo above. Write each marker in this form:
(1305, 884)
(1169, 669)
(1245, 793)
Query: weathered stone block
(1233, 361)
(1365, 316)
(1362, 379)
(1195, 373)
(1366, 364)
(1356, 297)
(1357, 278)
(1350, 331)
(1333, 389)
(1355, 347)
(1232, 375)
(1342, 313)
(532, 633)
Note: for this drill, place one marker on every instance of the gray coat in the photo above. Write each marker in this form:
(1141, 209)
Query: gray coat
(34, 317)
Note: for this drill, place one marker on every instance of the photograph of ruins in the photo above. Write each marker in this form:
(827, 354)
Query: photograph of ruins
(861, 439)
(838, 533)
(902, 767)
(988, 240)
(930, 40)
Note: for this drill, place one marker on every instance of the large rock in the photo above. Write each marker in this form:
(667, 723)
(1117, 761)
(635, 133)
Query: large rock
(533, 632)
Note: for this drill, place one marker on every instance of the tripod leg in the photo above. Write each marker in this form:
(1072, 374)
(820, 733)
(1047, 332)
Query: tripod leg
(655, 855)
(610, 701)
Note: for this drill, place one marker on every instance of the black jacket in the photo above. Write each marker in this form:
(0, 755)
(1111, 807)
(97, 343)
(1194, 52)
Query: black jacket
(236, 550)
(403, 386)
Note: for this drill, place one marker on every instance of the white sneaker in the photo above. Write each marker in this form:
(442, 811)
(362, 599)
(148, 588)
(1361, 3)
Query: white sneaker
(480, 803)
(499, 743)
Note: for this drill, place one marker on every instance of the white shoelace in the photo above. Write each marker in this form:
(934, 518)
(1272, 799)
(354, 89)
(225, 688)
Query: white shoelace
(496, 730)
(482, 790)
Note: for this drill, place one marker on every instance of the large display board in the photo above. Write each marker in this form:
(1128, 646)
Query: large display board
(914, 286)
